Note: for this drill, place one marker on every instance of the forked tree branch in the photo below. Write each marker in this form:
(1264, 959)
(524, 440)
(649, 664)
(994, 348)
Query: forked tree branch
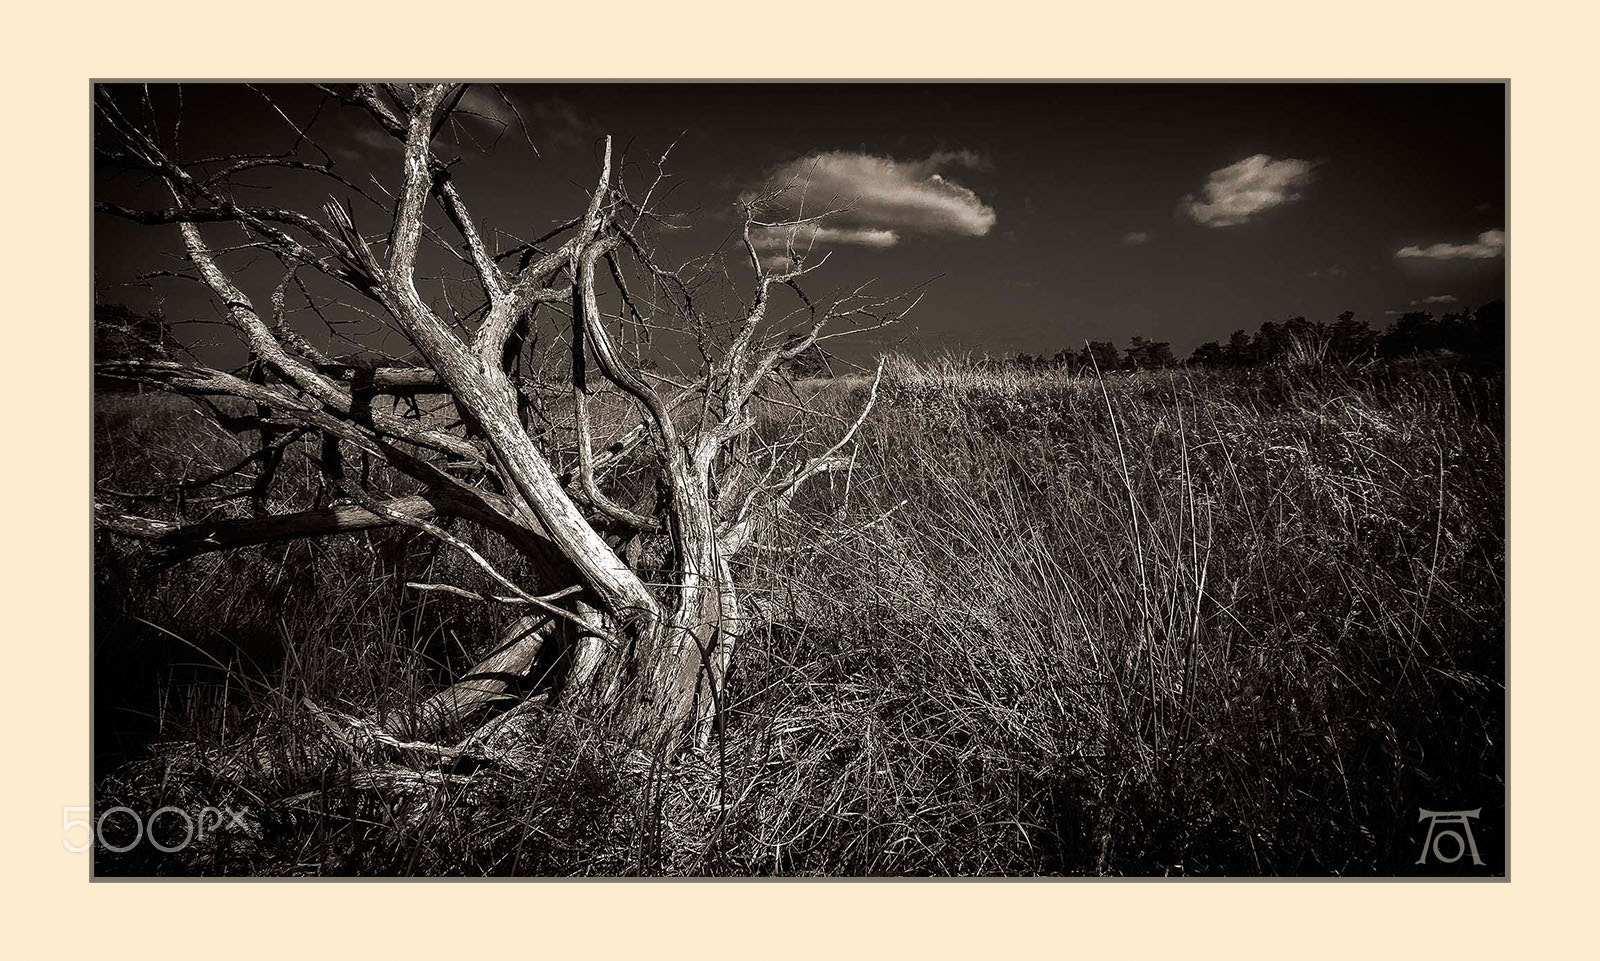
(763, 503)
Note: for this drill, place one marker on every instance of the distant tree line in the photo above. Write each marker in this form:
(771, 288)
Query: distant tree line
(1472, 337)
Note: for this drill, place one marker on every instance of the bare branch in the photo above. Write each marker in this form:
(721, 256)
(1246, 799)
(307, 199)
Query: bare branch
(183, 541)
(494, 284)
(496, 598)
(736, 534)
(410, 520)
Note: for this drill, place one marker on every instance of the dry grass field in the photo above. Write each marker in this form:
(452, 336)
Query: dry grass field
(1179, 623)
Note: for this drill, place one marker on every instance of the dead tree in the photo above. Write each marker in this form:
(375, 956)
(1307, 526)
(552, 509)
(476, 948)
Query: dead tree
(648, 659)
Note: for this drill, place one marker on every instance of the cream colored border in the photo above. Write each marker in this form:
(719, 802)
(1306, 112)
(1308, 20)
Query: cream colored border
(51, 909)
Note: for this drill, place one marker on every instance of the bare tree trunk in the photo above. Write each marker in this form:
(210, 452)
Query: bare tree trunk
(502, 671)
(651, 659)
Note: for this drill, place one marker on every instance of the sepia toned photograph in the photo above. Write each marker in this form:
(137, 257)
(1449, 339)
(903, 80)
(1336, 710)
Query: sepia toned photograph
(914, 479)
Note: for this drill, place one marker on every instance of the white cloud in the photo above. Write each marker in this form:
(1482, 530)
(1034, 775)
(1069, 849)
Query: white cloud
(864, 236)
(1238, 191)
(885, 198)
(1134, 238)
(1435, 299)
(805, 235)
(1490, 243)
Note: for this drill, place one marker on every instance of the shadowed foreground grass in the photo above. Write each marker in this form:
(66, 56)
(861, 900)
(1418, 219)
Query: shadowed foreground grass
(1167, 624)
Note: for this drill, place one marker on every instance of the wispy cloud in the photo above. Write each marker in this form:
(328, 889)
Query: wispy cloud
(1435, 299)
(964, 157)
(556, 121)
(550, 122)
(1239, 191)
(372, 141)
(484, 119)
(1134, 238)
(883, 199)
(1334, 271)
(1490, 243)
(483, 101)
(806, 235)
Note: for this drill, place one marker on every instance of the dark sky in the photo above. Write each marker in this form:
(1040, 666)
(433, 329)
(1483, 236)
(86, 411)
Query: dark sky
(1050, 213)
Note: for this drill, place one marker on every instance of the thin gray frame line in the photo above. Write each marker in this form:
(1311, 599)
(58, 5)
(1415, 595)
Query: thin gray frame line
(1504, 82)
